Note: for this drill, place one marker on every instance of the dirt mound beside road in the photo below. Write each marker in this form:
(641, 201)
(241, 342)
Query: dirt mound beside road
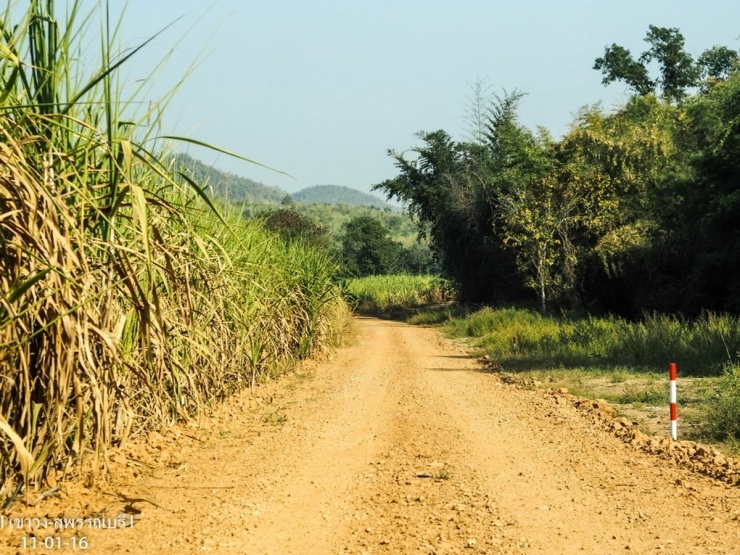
(402, 444)
(689, 454)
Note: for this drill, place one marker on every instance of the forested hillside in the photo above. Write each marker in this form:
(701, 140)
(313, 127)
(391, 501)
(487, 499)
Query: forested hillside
(362, 239)
(230, 187)
(319, 215)
(335, 194)
(227, 186)
(635, 209)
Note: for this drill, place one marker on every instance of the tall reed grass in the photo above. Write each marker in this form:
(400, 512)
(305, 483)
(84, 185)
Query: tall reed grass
(704, 346)
(127, 302)
(723, 412)
(383, 293)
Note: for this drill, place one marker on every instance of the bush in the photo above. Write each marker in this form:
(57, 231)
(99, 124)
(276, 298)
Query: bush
(723, 416)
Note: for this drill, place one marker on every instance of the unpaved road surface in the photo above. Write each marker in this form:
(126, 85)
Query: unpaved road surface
(402, 444)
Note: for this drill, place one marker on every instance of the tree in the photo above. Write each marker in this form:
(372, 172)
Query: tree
(287, 201)
(445, 187)
(478, 111)
(456, 191)
(678, 70)
(703, 221)
(292, 226)
(534, 210)
(538, 222)
(367, 248)
(718, 63)
(617, 64)
(417, 259)
(623, 163)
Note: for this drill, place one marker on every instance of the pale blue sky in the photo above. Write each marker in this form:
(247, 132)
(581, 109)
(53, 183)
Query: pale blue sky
(322, 88)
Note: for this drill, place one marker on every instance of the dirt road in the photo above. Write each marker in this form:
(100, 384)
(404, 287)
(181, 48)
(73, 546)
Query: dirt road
(401, 444)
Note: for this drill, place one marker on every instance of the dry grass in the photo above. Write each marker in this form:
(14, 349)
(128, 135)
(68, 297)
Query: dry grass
(127, 302)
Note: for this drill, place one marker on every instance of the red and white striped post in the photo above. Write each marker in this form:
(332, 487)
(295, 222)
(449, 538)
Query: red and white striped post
(674, 405)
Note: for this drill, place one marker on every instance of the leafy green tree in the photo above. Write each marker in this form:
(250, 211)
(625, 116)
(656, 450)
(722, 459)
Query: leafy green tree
(535, 211)
(445, 187)
(368, 249)
(293, 226)
(702, 223)
(418, 259)
(624, 163)
(539, 220)
(617, 64)
(718, 63)
(287, 201)
(469, 199)
(678, 70)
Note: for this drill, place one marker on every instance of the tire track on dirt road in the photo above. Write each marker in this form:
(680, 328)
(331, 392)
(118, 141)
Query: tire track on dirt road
(571, 488)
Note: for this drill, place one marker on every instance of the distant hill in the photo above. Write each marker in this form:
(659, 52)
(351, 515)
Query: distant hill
(227, 186)
(335, 194)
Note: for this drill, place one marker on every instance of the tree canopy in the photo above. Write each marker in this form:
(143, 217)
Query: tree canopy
(367, 248)
(678, 71)
(633, 209)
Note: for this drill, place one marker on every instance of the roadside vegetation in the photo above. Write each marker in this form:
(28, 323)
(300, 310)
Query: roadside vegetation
(633, 210)
(128, 301)
(624, 362)
(632, 213)
(386, 293)
(522, 339)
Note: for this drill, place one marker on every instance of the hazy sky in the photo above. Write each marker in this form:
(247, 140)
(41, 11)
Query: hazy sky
(322, 88)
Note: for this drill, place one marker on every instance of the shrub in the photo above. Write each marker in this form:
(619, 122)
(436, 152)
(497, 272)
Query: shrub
(723, 415)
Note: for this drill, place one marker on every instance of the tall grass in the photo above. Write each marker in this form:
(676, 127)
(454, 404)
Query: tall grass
(383, 293)
(126, 301)
(704, 346)
(723, 413)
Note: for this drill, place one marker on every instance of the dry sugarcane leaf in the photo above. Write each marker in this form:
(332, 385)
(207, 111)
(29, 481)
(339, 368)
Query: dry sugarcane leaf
(24, 456)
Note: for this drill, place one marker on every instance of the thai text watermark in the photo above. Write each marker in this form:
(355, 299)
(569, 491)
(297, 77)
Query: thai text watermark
(58, 524)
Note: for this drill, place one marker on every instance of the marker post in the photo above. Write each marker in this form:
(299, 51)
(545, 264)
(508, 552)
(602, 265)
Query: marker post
(674, 405)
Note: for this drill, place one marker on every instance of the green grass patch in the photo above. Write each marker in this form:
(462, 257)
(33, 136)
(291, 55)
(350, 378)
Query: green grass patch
(437, 315)
(622, 362)
(642, 395)
(523, 339)
(723, 413)
(374, 294)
